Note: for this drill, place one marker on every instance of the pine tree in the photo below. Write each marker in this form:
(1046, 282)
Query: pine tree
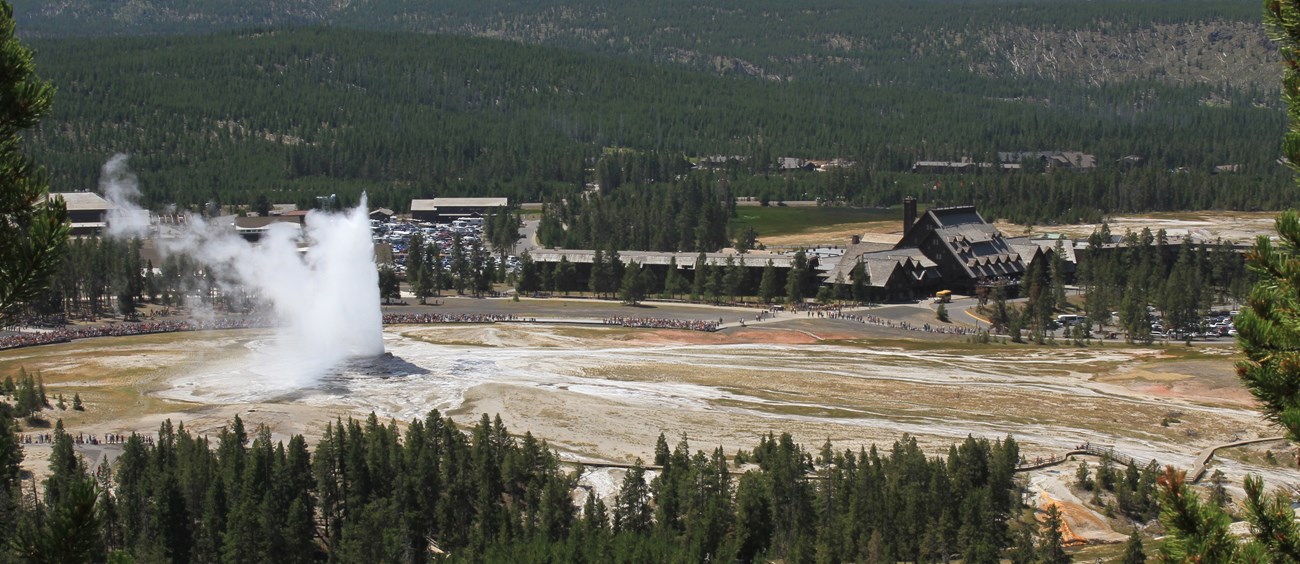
(754, 516)
(33, 233)
(66, 467)
(594, 516)
(672, 280)
(1198, 532)
(27, 400)
(1038, 307)
(1268, 327)
(1081, 477)
(1218, 493)
(632, 289)
(1133, 552)
(632, 509)
(459, 267)
(1272, 520)
(530, 280)
(795, 281)
(11, 458)
(767, 285)
(1058, 275)
(734, 278)
(596, 281)
(1023, 549)
(389, 284)
(72, 530)
(713, 288)
(566, 276)
(437, 272)
(701, 277)
(1051, 547)
(860, 279)
(40, 391)
(614, 270)
(415, 268)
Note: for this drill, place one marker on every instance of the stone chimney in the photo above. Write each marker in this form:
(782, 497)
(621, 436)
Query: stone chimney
(909, 214)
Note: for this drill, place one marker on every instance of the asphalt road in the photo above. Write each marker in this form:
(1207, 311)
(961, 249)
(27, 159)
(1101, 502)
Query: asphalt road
(527, 237)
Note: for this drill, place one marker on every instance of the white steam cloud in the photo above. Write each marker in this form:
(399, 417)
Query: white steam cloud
(325, 300)
(121, 188)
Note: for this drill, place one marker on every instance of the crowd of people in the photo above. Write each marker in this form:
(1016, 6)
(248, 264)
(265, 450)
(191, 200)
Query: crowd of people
(45, 337)
(1039, 461)
(660, 323)
(421, 318)
(42, 337)
(899, 324)
(28, 339)
(80, 439)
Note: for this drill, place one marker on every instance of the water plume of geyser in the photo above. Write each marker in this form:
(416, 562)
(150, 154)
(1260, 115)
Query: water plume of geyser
(324, 301)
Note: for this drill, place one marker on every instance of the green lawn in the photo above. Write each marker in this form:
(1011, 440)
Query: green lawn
(775, 220)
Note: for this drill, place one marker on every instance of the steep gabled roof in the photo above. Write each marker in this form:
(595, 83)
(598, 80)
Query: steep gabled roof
(915, 265)
(980, 250)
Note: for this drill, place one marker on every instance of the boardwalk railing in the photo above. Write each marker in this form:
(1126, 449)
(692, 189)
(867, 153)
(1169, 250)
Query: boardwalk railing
(1084, 449)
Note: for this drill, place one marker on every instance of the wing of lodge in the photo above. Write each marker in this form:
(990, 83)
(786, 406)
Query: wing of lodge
(947, 248)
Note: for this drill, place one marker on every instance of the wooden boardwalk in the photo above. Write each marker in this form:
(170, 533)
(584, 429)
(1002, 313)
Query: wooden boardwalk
(1203, 460)
(1084, 450)
(1195, 475)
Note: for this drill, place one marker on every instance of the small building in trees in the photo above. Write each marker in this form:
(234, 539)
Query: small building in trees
(1052, 160)
(963, 166)
(794, 163)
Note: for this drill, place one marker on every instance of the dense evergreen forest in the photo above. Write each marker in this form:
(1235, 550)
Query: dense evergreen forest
(1147, 280)
(1208, 42)
(291, 113)
(375, 492)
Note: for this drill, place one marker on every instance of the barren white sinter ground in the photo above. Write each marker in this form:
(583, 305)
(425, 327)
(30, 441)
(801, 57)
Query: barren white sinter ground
(605, 394)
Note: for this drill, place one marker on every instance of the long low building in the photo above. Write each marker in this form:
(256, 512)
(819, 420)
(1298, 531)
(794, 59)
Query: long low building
(659, 262)
(685, 261)
(87, 211)
(446, 210)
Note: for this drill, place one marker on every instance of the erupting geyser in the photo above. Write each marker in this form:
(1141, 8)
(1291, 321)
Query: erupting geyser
(324, 301)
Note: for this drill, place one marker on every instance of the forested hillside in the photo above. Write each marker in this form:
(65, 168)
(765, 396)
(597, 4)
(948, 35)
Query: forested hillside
(878, 40)
(296, 113)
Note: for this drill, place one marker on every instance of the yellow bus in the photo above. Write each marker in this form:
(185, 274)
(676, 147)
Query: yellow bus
(943, 296)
